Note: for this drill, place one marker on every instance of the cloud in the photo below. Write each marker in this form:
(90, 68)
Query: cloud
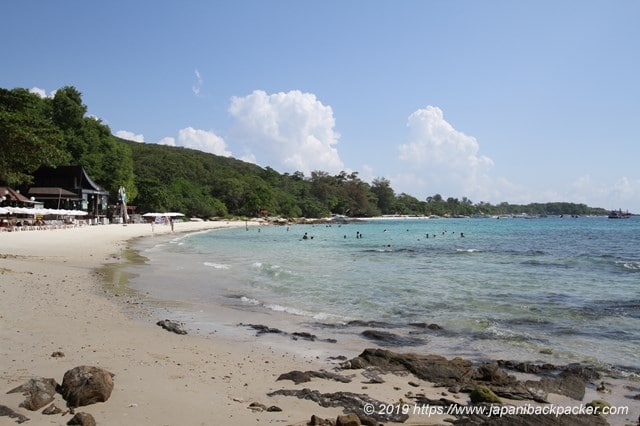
(290, 131)
(42, 92)
(202, 140)
(125, 134)
(623, 193)
(198, 85)
(447, 160)
(169, 141)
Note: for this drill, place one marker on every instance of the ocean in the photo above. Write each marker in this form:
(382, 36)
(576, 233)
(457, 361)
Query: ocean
(556, 289)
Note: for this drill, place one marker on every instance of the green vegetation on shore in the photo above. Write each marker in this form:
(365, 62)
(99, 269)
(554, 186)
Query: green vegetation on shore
(37, 131)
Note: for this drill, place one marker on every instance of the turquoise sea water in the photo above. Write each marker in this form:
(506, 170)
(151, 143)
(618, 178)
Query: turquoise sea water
(552, 289)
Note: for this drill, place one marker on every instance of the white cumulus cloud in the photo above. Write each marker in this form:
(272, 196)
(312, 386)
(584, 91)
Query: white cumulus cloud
(447, 160)
(290, 131)
(42, 92)
(169, 141)
(202, 140)
(125, 134)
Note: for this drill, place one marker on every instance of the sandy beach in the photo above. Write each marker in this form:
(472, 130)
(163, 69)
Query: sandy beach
(54, 299)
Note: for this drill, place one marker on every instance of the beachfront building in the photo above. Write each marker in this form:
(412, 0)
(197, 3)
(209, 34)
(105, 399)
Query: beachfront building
(10, 197)
(69, 187)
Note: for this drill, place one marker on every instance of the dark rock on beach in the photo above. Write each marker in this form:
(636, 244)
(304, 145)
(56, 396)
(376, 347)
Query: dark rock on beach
(571, 386)
(310, 337)
(351, 402)
(386, 338)
(484, 394)
(432, 368)
(39, 392)
(370, 324)
(423, 325)
(298, 377)
(172, 326)
(527, 367)
(460, 375)
(86, 385)
(348, 420)
(52, 409)
(532, 420)
(8, 412)
(82, 419)
(263, 329)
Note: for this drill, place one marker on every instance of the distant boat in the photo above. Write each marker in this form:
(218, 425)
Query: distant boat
(619, 214)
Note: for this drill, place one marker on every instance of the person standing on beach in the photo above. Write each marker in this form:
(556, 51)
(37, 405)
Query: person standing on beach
(171, 223)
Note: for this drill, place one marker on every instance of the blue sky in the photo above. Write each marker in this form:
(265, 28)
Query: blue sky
(526, 101)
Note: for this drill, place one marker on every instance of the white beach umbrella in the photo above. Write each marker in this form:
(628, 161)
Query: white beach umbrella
(20, 210)
(169, 214)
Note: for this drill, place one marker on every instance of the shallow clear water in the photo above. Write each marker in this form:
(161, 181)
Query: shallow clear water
(569, 287)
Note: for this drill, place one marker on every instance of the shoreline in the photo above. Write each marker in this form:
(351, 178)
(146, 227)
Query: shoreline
(55, 300)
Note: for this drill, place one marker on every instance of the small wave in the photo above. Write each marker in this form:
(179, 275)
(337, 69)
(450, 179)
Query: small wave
(216, 265)
(631, 266)
(320, 316)
(534, 262)
(289, 310)
(467, 250)
(249, 301)
(273, 271)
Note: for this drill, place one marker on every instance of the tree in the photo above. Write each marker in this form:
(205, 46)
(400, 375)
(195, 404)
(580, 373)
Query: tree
(68, 109)
(381, 187)
(28, 136)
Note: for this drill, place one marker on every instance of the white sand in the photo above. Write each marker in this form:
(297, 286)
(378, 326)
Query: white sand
(53, 300)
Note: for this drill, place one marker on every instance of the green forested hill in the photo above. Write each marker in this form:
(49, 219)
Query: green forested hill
(55, 131)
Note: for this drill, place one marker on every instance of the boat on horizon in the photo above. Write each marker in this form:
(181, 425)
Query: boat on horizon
(619, 214)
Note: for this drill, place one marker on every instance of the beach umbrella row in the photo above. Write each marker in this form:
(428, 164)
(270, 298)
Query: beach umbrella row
(170, 214)
(41, 211)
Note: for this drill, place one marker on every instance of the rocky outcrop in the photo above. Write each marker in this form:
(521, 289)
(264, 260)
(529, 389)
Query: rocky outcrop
(86, 385)
(351, 402)
(461, 376)
(432, 368)
(38, 391)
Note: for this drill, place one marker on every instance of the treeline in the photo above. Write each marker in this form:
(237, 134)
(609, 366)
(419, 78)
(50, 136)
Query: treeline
(55, 131)
(36, 131)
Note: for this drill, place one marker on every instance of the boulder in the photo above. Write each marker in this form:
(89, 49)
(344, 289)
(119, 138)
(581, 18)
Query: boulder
(348, 420)
(484, 394)
(82, 419)
(86, 385)
(39, 392)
